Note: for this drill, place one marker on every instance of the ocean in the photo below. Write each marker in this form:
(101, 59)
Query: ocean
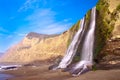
(4, 76)
(7, 67)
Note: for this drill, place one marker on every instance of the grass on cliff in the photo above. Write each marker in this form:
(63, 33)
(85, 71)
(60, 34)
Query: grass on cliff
(104, 27)
(118, 8)
(73, 30)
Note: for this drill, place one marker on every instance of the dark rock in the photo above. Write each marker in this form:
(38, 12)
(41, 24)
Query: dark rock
(28, 64)
(53, 67)
(7, 68)
(116, 51)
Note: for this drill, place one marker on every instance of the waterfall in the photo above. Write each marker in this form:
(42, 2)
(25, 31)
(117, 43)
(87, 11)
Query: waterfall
(87, 49)
(72, 49)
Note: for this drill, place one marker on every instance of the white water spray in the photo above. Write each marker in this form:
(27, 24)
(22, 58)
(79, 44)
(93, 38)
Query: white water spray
(87, 50)
(73, 46)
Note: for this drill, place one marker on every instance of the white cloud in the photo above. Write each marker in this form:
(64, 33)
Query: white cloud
(43, 21)
(54, 28)
(66, 20)
(29, 4)
(22, 34)
(19, 34)
(41, 14)
(35, 4)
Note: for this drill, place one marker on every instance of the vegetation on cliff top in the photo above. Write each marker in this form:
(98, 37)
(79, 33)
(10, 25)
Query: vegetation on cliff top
(105, 23)
(73, 30)
(115, 13)
(103, 29)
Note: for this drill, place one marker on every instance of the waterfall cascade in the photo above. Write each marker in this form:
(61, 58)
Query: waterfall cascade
(87, 49)
(72, 49)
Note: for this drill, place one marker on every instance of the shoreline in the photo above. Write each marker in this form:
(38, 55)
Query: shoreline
(42, 73)
(5, 76)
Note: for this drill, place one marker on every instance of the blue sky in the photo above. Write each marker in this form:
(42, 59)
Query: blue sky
(19, 17)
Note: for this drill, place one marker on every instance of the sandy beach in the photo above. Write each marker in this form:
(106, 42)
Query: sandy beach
(41, 72)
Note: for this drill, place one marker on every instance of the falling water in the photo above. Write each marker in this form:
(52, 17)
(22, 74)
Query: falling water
(87, 50)
(73, 46)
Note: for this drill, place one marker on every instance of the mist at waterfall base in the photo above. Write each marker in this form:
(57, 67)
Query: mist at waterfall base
(86, 61)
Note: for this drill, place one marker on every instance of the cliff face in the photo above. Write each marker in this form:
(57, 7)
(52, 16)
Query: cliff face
(113, 4)
(42, 47)
(108, 30)
(37, 47)
(116, 14)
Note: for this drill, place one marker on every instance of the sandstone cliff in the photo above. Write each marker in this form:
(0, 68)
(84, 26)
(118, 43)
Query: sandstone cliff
(108, 31)
(37, 47)
(115, 9)
(42, 47)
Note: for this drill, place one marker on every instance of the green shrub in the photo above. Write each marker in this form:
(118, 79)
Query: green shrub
(94, 68)
(118, 8)
(73, 30)
(103, 27)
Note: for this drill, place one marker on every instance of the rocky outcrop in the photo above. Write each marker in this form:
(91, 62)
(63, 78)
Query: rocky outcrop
(114, 8)
(107, 24)
(111, 51)
(39, 47)
(42, 47)
(107, 48)
(113, 4)
(116, 30)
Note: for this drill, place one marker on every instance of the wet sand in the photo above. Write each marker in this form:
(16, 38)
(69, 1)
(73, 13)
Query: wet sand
(42, 73)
